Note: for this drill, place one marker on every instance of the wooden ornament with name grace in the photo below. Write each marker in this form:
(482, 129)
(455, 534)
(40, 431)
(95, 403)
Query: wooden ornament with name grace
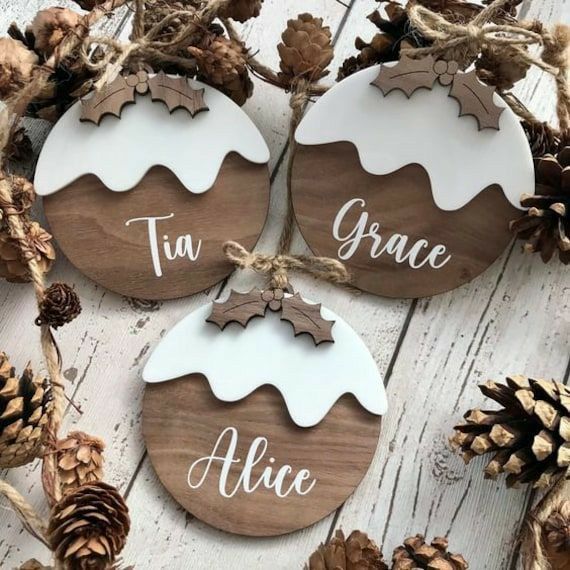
(144, 181)
(256, 431)
(409, 174)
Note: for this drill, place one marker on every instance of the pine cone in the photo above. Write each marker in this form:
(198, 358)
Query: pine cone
(541, 138)
(242, 10)
(306, 49)
(89, 527)
(416, 554)
(500, 67)
(357, 552)
(34, 564)
(50, 26)
(79, 459)
(17, 64)
(25, 405)
(13, 265)
(222, 63)
(546, 224)
(529, 437)
(59, 306)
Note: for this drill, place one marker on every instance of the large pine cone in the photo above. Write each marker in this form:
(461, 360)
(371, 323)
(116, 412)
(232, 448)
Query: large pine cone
(89, 527)
(546, 224)
(13, 261)
(79, 460)
(17, 64)
(306, 49)
(357, 552)
(416, 554)
(242, 10)
(529, 437)
(222, 63)
(50, 27)
(25, 405)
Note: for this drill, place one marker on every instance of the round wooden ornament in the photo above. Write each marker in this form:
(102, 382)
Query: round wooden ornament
(256, 431)
(409, 173)
(144, 181)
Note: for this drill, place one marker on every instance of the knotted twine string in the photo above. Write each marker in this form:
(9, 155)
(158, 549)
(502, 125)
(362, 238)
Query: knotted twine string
(277, 267)
(463, 42)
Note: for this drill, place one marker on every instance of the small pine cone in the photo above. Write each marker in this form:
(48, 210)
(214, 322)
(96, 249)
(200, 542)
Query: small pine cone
(25, 405)
(59, 306)
(23, 193)
(242, 10)
(17, 63)
(500, 67)
(546, 224)
(88, 528)
(19, 146)
(79, 460)
(542, 138)
(306, 49)
(50, 26)
(416, 554)
(357, 551)
(34, 564)
(222, 63)
(13, 261)
(557, 529)
(529, 438)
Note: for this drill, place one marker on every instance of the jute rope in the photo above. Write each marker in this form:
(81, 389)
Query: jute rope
(533, 547)
(16, 107)
(277, 267)
(463, 42)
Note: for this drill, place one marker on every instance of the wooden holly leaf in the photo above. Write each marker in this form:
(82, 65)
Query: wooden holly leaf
(408, 75)
(477, 99)
(306, 318)
(239, 308)
(177, 93)
(110, 100)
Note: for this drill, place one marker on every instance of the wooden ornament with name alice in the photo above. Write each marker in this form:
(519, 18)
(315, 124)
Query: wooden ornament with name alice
(409, 173)
(143, 182)
(262, 426)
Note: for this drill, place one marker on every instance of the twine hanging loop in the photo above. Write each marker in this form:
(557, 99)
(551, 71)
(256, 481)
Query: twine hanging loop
(277, 267)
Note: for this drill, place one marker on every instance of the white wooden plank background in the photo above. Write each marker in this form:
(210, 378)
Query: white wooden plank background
(513, 319)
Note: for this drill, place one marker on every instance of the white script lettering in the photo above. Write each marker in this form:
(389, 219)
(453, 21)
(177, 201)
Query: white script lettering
(395, 245)
(255, 455)
(184, 246)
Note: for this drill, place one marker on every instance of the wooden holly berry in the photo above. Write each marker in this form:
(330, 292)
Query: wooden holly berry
(145, 179)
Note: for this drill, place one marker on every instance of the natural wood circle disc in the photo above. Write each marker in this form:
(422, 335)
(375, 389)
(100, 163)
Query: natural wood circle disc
(326, 176)
(89, 223)
(182, 421)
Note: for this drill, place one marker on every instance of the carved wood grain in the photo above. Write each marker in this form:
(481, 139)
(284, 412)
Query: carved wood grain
(182, 420)
(326, 176)
(88, 222)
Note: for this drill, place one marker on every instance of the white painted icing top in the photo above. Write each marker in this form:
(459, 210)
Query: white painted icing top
(393, 131)
(121, 151)
(237, 361)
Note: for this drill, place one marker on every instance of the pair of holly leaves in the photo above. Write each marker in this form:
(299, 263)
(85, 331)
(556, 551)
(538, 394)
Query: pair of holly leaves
(474, 97)
(242, 307)
(174, 92)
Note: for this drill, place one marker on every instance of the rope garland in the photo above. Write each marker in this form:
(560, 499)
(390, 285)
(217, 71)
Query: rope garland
(463, 42)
